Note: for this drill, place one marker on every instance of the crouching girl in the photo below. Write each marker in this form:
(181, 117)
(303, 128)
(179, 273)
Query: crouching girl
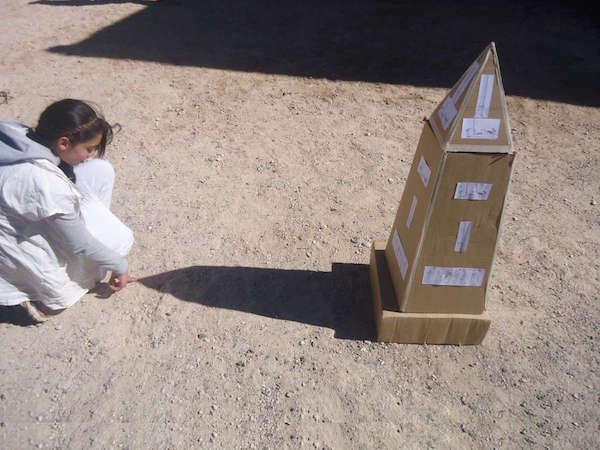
(58, 237)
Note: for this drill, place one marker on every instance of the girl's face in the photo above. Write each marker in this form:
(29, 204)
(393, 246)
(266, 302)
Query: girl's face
(78, 153)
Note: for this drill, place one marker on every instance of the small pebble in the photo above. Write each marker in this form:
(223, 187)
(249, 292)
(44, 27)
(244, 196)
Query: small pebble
(593, 202)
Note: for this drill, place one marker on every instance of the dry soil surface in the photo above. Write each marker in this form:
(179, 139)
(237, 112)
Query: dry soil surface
(263, 148)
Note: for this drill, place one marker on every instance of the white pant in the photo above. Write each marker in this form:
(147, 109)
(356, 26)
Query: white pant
(95, 179)
(96, 176)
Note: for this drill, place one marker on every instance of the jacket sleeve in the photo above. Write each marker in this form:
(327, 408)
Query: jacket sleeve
(34, 192)
(75, 239)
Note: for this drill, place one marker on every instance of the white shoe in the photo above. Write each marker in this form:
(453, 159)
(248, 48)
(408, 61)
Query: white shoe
(39, 312)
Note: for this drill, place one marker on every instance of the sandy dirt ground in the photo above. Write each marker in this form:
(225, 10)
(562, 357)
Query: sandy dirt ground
(264, 146)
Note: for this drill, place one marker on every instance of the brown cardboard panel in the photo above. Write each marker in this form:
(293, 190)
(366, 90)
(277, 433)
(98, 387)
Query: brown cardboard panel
(497, 110)
(485, 215)
(444, 135)
(442, 228)
(429, 149)
(472, 168)
(415, 328)
(448, 299)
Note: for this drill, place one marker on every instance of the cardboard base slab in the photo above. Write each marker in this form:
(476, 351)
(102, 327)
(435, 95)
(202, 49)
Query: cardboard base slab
(417, 328)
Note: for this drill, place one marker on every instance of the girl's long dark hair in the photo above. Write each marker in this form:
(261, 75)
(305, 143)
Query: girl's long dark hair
(74, 119)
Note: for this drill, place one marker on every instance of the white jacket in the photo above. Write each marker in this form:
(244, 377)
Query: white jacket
(36, 261)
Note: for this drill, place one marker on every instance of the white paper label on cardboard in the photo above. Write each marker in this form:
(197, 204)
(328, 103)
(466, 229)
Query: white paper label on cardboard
(411, 213)
(484, 99)
(462, 238)
(447, 112)
(472, 191)
(400, 254)
(465, 82)
(424, 171)
(480, 128)
(453, 276)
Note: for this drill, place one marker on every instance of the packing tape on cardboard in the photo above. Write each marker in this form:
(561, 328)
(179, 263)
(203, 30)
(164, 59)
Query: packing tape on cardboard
(424, 171)
(484, 99)
(400, 254)
(465, 81)
(411, 213)
(472, 191)
(462, 238)
(476, 128)
(453, 276)
(447, 112)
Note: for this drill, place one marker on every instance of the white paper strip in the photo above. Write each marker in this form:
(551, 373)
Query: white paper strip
(480, 128)
(411, 213)
(447, 112)
(472, 191)
(400, 254)
(465, 82)
(453, 276)
(424, 171)
(462, 238)
(484, 99)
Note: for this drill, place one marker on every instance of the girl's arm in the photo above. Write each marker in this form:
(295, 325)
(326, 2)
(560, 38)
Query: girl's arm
(74, 238)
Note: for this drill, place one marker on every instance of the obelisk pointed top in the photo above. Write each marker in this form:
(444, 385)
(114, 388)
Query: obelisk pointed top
(473, 116)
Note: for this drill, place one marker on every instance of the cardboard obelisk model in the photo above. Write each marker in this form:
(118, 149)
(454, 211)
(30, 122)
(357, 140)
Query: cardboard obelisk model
(438, 259)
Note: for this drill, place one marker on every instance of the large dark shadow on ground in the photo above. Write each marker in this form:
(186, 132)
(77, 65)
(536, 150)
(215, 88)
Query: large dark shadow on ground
(547, 50)
(15, 315)
(99, 2)
(339, 299)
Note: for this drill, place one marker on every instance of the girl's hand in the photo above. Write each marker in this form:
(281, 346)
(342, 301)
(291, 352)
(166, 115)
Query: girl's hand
(119, 281)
